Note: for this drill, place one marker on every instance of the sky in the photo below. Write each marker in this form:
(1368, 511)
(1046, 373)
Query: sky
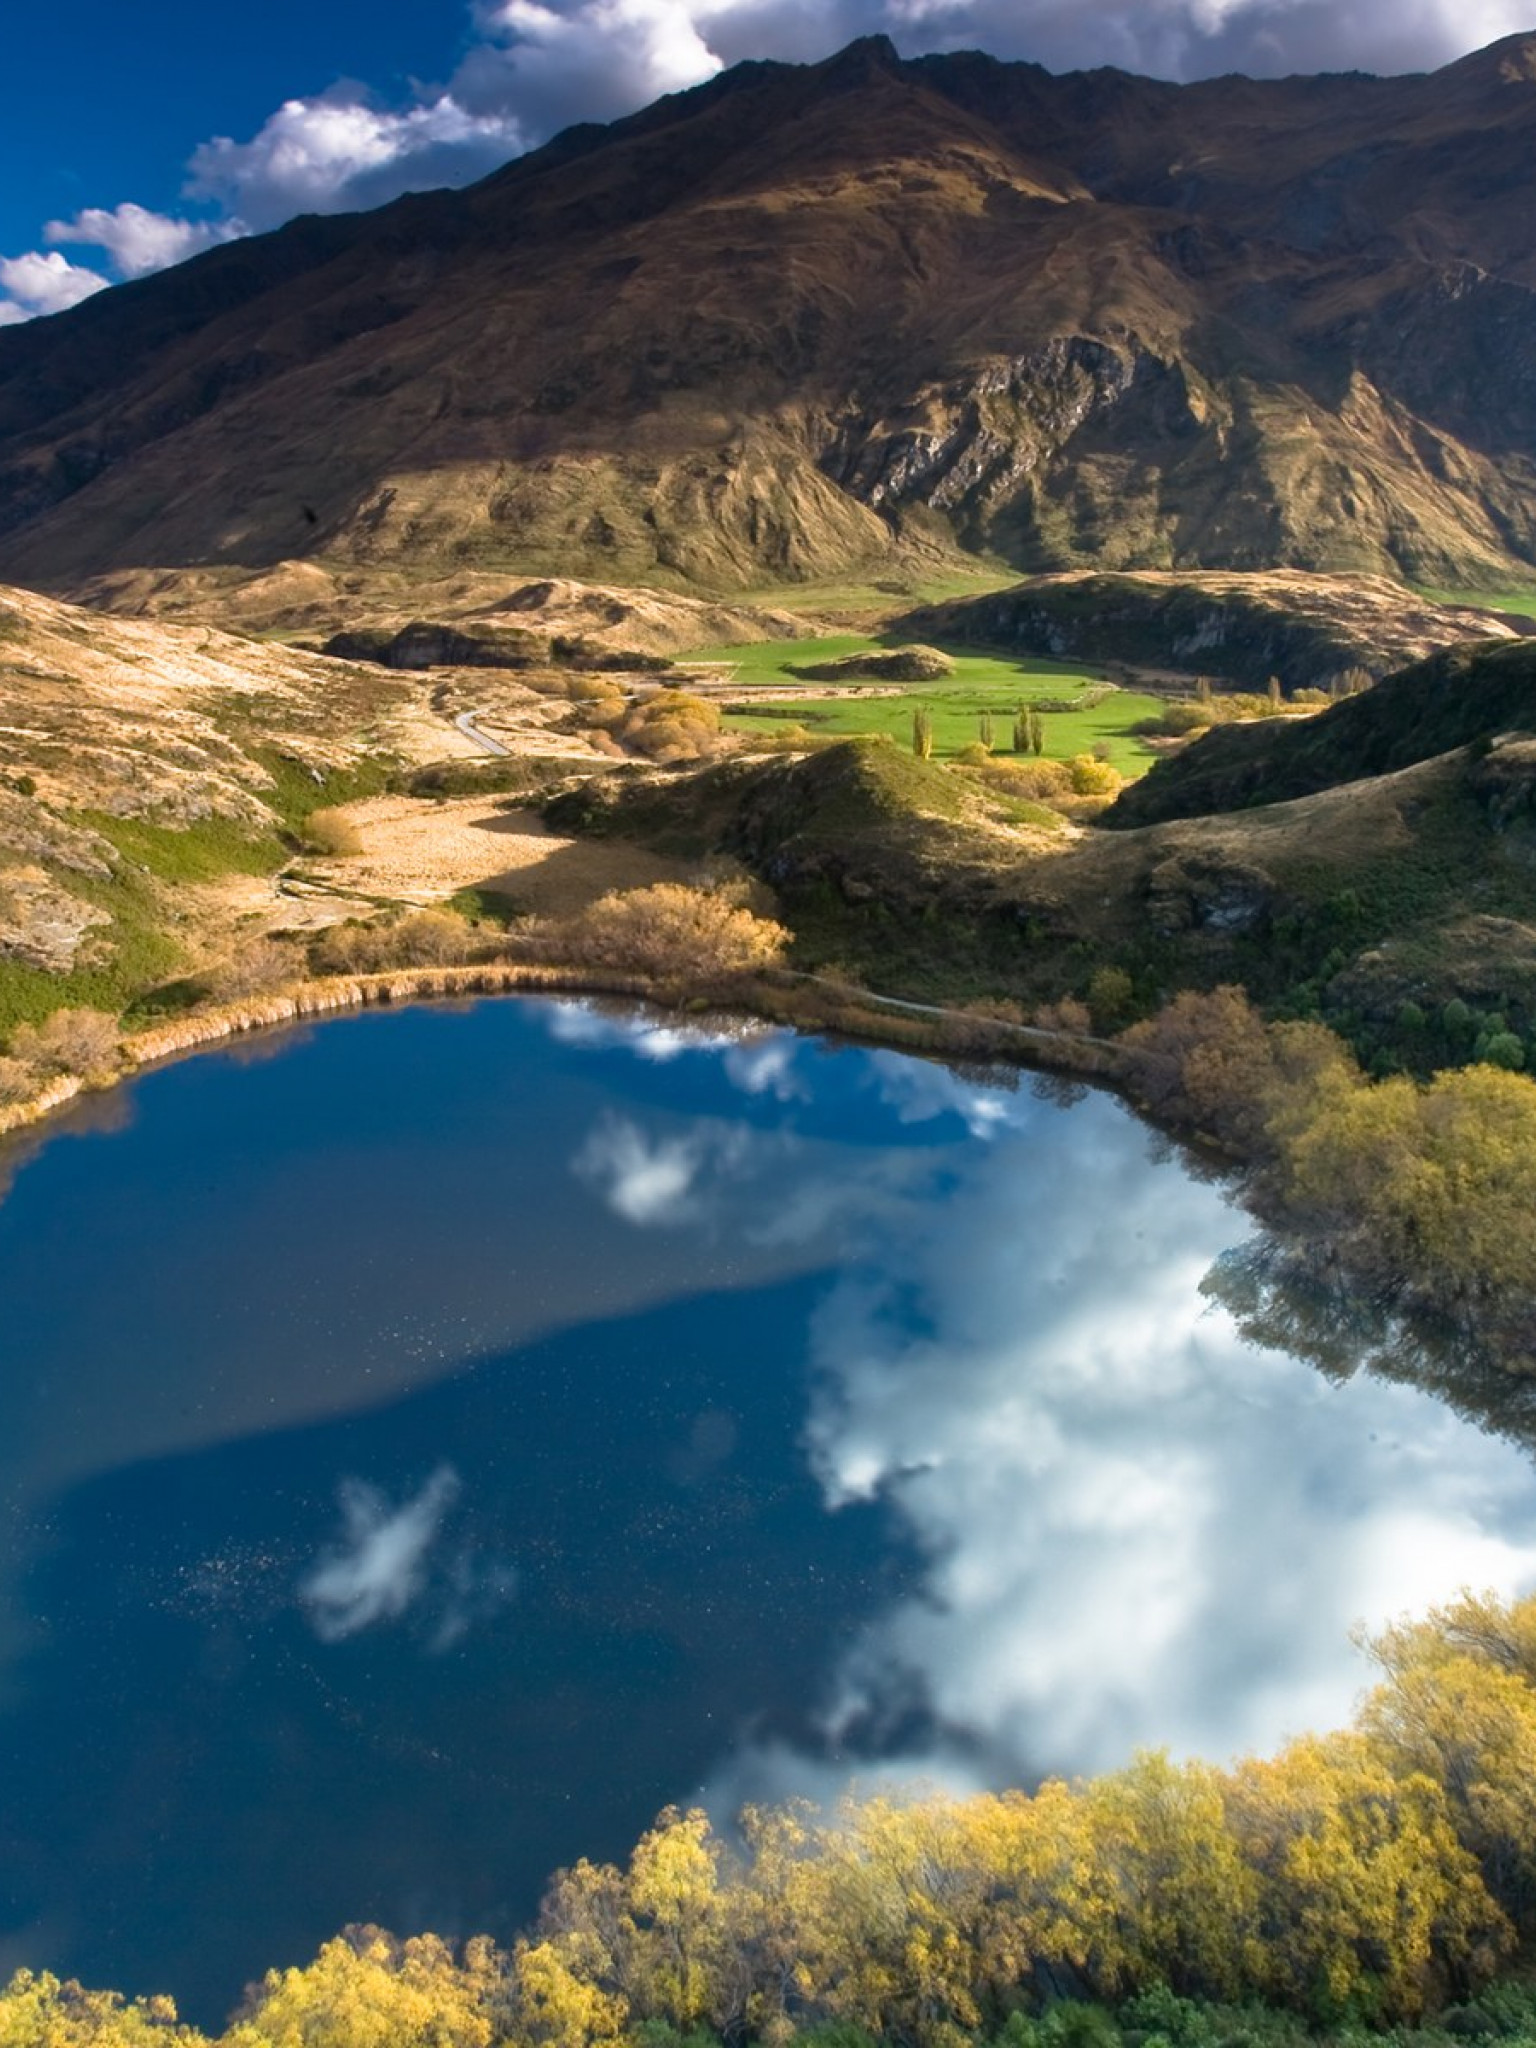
(136, 137)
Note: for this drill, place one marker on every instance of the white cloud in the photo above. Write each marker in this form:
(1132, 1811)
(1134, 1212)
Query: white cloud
(339, 152)
(379, 1569)
(586, 60)
(35, 284)
(138, 241)
(1167, 38)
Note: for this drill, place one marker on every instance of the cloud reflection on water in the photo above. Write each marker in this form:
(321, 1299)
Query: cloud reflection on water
(1140, 1529)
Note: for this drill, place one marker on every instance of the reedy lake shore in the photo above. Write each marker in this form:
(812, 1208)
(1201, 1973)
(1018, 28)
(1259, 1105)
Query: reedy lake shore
(802, 1002)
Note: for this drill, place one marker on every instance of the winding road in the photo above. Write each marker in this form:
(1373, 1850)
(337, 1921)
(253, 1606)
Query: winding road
(466, 724)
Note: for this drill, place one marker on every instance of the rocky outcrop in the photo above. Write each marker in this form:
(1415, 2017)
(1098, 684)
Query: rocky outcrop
(42, 925)
(1306, 630)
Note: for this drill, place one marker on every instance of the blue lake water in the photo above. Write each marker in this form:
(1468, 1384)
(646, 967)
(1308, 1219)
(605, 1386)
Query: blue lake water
(432, 1442)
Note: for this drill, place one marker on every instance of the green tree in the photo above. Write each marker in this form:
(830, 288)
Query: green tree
(1111, 993)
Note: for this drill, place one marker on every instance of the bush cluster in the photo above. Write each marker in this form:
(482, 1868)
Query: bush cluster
(669, 930)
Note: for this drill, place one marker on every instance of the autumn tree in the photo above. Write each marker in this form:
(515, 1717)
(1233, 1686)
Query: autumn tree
(368, 1990)
(38, 2011)
(1368, 1905)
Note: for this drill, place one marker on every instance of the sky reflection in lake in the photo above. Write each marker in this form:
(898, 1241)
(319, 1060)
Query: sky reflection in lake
(428, 1451)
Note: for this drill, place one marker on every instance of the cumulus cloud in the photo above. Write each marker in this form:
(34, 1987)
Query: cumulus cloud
(138, 241)
(340, 151)
(537, 66)
(34, 284)
(379, 1569)
(1166, 38)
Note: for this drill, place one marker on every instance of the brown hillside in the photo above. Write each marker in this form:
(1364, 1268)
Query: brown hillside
(804, 319)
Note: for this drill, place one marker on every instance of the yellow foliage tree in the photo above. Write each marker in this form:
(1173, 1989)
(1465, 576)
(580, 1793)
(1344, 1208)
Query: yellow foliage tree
(1457, 1705)
(559, 2000)
(677, 1904)
(1185, 1901)
(1367, 1902)
(367, 1990)
(671, 929)
(38, 2011)
(1441, 1179)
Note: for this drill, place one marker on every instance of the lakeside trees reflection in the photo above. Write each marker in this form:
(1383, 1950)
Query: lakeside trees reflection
(1297, 1294)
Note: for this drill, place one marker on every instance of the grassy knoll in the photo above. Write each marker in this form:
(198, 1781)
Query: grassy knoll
(982, 683)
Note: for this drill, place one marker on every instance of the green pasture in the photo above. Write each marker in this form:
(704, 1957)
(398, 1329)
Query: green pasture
(1522, 601)
(994, 683)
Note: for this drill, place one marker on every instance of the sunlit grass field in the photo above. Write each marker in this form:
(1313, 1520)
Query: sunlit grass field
(982, 683)
(1522, 601)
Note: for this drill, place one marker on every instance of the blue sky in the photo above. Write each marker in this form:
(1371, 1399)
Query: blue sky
(113, 99)
(135, 135)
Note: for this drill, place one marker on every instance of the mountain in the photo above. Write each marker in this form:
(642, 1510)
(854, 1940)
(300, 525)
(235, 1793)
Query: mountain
(808, 320)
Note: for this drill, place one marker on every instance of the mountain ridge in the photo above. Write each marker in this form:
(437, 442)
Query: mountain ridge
(805, 319)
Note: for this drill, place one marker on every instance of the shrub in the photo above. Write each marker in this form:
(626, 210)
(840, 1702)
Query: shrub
(1094, 778)
(1111, 993)
(1068, 1016)
(671, 726)
(349, 948)
(1175, 721)
(1032, 781)
(429, 938)
(422, 938)
(332, 832)
(672, 929)
(257, 969)
(18, 1081)
(82, 1042)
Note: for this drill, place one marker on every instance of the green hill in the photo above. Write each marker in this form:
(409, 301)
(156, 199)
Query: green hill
(1455, 699)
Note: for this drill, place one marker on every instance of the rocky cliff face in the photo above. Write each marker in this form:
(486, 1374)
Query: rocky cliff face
(805, 320)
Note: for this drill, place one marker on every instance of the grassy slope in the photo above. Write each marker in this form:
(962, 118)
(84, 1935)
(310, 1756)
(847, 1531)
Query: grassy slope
(982, 682)
(1410, 888)
(1458, 697)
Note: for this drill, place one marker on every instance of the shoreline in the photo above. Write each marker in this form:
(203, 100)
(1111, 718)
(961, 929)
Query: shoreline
(776, 997)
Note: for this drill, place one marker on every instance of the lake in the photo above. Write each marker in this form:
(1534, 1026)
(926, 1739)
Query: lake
(433, 1441)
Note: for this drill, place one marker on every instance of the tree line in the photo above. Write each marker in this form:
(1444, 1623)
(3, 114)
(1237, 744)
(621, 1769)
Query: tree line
(1368, 1878)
